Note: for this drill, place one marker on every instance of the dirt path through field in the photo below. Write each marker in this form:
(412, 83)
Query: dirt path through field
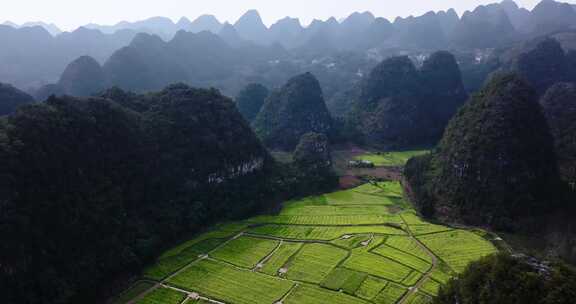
(426, 275)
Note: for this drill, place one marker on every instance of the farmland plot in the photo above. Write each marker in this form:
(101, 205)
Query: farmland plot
(458, 248)
(346, 247)
(230, 284)
(314, 262)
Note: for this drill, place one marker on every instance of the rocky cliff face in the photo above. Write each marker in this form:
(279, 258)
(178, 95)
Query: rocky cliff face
(294, 110)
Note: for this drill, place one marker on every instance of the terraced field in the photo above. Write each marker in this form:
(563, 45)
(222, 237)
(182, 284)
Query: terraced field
(359, 246)
(390, 158)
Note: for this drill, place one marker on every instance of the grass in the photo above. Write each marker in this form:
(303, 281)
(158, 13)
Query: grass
(323, 233)
(344, 279)
(403, 258)
(162, 296)
(418, 298)
(230, 284)
(245, 251)
(314, 262)
(328, 220)
(347, 247)
(412, 278)
(458, 248)
(431, 287)
(307, 294)
(390, 294)
(408, 245)
(170, 263)
(351, 197)
(135, 290)
(377, 266)
(390, 159)
(371, 287)
(280, 257)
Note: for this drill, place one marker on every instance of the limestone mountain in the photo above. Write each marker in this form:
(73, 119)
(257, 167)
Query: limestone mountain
(286, 31)
(559, 105)
(493, 165)
(543, 65)
(250, 100)
(485, 27)
(549, 16)
(12, 98)
(251, 27)
(203, 23)
(425, 31)
(445, 91)
(518, 16)
(83, 77)
(400, 106)
(292, 111)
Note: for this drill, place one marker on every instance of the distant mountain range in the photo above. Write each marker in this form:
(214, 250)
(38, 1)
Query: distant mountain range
(486, 27)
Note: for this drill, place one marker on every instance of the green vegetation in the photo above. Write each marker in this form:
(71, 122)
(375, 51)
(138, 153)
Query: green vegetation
(306, 294)
(314, 262)
(408, 245)
(390, 295)
(390, 159)
(403, 257)
(324, 233)
(230, 284)
(245, 251)
(344, 279)
(343, 247)
(371, 287)
(512, 280)
(378, 266)
(458, 248)
(418, 298)
(169, 263)
(431, 287)
(280, 257)
(135, 290)
(162, 296)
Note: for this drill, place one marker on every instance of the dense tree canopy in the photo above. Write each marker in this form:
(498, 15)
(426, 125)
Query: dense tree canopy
(251, 99)
(505, 279)
(294, 110)
(313, 162)
(494, 161)
(543, 65)
(91, 188)
(400, 106)
(559, 105)
(11, 98)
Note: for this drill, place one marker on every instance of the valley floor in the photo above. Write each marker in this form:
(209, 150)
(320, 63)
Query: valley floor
(357, 246)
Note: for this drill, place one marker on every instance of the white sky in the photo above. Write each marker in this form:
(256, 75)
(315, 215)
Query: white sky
(69, 14)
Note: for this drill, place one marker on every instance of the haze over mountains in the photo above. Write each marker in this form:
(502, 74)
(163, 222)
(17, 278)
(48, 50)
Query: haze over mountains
(364, 34)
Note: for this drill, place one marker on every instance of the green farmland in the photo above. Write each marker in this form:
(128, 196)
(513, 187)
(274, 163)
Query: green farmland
(388, 159)
(359, 246)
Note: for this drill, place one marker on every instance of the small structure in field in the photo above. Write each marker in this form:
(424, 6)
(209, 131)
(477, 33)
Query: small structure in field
(361, 164)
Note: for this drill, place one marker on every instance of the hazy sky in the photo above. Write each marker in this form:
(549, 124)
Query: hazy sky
(69, 14)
